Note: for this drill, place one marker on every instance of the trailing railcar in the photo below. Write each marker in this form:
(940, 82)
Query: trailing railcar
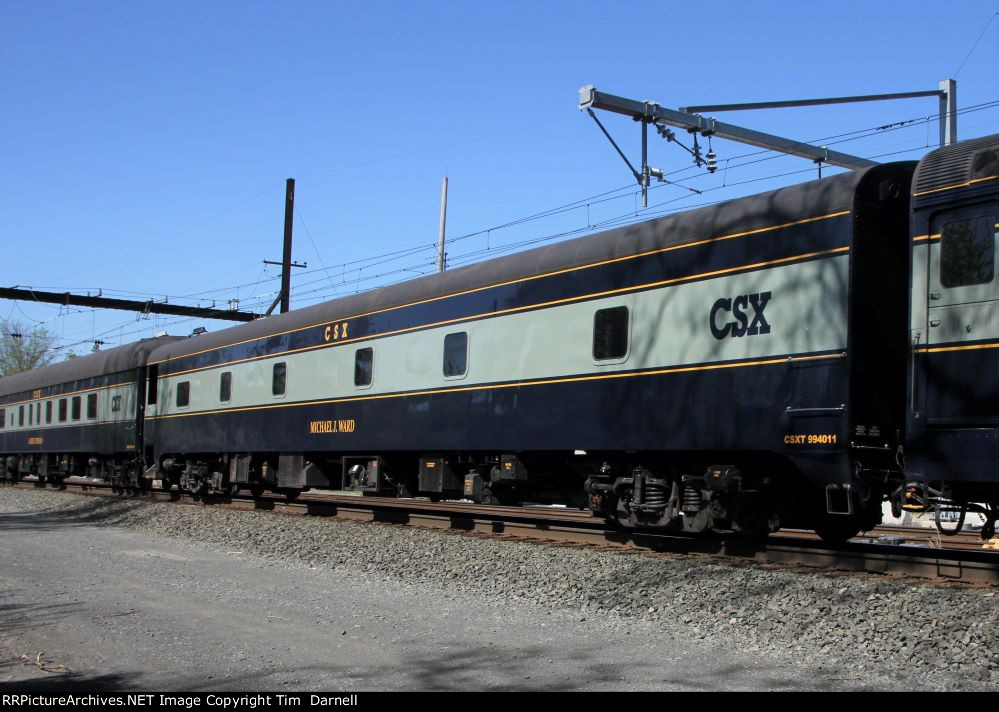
(79, 417)
(702, 370)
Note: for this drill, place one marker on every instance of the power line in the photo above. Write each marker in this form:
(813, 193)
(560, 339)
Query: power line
(970, 51)
(606, 196)
(313, 242)
(188, 228)
(625, 218)
(354, 269)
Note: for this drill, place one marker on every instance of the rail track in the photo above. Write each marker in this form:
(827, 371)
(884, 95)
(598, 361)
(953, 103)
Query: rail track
(908, 552)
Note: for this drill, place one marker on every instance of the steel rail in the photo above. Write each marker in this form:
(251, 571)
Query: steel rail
(901, 557)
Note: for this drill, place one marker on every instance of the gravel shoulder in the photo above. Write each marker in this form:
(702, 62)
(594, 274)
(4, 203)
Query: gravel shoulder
(126, 594)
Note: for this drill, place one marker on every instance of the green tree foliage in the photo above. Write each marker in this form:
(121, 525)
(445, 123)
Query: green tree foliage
(22, 349)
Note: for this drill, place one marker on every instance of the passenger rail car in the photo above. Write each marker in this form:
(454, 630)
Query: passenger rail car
(81, 416)
(952, 427)
(692, 371)
(786, 359)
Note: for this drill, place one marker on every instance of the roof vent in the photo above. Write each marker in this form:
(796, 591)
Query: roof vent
(959, 163)
(985, 164)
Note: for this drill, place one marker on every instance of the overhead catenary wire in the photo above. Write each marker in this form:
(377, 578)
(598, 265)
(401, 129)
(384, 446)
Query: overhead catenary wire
(567, 207)
(731, 164)
(973, 46)
(406, 261)
(625, 218)
(313, 242)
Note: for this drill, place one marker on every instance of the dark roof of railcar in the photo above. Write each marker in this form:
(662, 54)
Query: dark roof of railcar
(953, 166)
(784, 205)
(121, 358)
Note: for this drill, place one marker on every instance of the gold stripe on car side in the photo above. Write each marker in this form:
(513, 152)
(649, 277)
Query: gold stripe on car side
(66, 395)
(937, 235)
(966, 184)
(513, 310)
(518, 384)
(965, 347)
(518, 281)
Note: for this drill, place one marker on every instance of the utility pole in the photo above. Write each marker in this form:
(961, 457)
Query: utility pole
(948, 112)
(289, 215)
(440, 238)
(284, 296)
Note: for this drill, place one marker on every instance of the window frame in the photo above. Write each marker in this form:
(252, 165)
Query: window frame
(76, 408)
(937, 295)
(371, 367)
(282, 367)
(183, 388)
(444, 359)
(989, 222)
(612, 359)
(225, 387)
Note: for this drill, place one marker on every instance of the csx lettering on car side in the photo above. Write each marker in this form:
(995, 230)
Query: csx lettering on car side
(736, 307)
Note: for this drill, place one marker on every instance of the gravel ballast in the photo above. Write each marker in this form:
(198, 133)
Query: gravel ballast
(920, 635)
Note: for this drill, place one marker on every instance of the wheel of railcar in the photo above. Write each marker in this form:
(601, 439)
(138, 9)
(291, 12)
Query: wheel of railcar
(256, 490)
(752, 519)
(989, 528)
(292, 494)
(755, 529)
(952, 527)
(835, 529)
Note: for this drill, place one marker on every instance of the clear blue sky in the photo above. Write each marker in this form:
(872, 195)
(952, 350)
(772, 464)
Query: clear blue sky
(145, 145)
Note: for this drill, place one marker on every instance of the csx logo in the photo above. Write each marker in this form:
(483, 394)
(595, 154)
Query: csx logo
(736, 307)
